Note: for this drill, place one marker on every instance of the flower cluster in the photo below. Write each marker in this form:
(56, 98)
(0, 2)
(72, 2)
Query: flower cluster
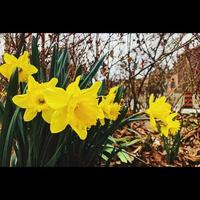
(78, 108)
(22, 63)
(161, 117)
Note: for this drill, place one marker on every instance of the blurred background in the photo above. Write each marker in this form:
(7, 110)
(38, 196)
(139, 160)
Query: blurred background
(160, 63)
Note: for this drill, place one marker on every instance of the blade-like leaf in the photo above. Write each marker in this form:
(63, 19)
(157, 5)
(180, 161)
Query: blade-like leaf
(55, 157)
(86, 81)
(127, 144)
(34, 58)
(9, 141)
(102, 89)
(53, 65)
(2, 111)
(12, 90)
(119, 94)
(122, 157)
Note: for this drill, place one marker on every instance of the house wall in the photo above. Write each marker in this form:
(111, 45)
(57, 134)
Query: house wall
(177, 101)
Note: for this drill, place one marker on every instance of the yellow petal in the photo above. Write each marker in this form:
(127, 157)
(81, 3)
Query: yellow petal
(78, 78)
(105, 106)
(114, 111)
(151, 99)
(47, 114)
(29, 114)
(32, 83)
(31, 69)
(80, 130)
(59, 121)
(153, 123)
(93, 89)
(172, 116)
(173, 125)
(74, 86)
(161, 100)
(4, 70)
(114, 89)
(175, 128)
(52, 82)
(55, 97)
(112, 94)
(9, 59)
(148, 111)
(164, 130)
(22, 101)
(24, 58)
(100, 113)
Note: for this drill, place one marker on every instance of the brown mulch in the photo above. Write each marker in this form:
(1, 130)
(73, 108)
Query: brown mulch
(149, 151)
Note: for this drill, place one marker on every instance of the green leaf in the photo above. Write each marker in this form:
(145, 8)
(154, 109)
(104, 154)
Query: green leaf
(21, 137)
(15, 157)
(16, 161)
(65, 61)
(166, 144)
(123, 139)
(9, 141)
(10, 108)
(120, 93)
(104, 157)
(78, 71)
(55, 157)
(134, 117)
(34, 59)
(102, 89)
(128, 157)
(109, 149)
(21, 127)
(122, 157)
(176, 144)
(112, 139)
(64, 83)
(59, 66)
(2, 111)
(113, 153)
(53, 65)
(127, 144)
(86, 81)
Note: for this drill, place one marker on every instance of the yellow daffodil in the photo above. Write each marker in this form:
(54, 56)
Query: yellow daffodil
(34, 101)
(73, 106)
(170, 125)
(110, 109)
(22, 63)
(158, 109)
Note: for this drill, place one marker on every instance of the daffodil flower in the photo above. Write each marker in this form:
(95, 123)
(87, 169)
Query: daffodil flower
(158, 109)
(110, 109)
(22, 63)
(170, 125)
(75, 107)
(34, 101)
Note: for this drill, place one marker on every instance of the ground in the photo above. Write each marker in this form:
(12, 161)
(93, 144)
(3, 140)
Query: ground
(148, 150)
